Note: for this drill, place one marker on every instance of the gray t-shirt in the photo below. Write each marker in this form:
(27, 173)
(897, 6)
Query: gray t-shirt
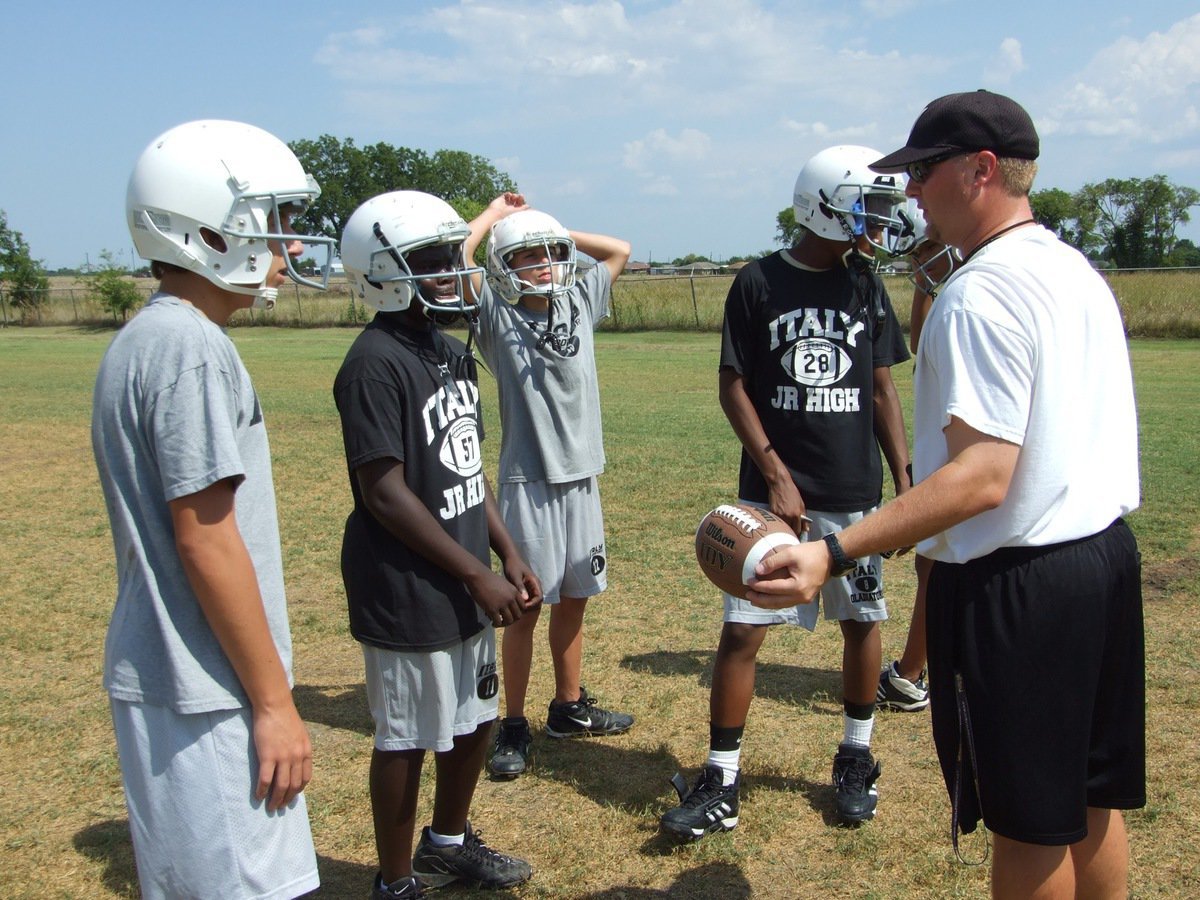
(549, 392)
(173, 413)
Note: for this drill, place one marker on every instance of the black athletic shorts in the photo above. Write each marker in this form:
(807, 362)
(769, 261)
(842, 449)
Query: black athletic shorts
(1041, 651)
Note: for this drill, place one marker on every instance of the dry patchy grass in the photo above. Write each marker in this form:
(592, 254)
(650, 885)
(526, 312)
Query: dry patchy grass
(586, 815)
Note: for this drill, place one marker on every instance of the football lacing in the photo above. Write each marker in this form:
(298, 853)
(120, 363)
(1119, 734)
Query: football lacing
(739, 517)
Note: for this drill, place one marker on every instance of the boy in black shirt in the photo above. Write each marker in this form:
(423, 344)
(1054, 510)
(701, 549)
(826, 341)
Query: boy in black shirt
(809, 337)
(423, 598)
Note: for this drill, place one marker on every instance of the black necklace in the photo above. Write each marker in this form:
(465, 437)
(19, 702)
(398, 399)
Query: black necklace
(1003, 231)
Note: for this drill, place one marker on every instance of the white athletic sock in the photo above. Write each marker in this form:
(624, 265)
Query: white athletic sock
(857, 731)
(727, 761)
(446, 840)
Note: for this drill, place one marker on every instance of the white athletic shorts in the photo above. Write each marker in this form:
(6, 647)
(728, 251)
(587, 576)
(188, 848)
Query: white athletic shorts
(559, 529)
(423, 701)
(197, 829)
(856, 597)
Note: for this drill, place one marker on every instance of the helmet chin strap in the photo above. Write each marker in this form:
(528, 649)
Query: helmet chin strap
(870, 303)
(264, 297)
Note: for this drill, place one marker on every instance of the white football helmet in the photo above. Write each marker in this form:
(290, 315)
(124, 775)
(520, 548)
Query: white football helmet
(380, 235)
(530, 229)
(839, 198)
(930, 274)
(231, 179)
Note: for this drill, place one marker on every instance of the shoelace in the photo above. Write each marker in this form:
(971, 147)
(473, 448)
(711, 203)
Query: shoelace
(709, 786)
(511, 738)
(475, 847)
(855, 776)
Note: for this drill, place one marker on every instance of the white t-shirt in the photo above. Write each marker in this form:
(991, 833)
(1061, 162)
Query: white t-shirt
(1025, 343)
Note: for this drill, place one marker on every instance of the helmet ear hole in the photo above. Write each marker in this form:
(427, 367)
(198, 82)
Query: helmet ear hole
(214, 240)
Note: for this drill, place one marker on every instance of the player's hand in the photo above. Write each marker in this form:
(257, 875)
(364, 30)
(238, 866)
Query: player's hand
(520, 576)
(507, 204)
(284, 753)
(793, 574)
(500, 600)
(784, 500)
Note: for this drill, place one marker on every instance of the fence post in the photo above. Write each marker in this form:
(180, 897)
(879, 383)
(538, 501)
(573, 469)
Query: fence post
(74, 308)
(299, 310)
(695, 305)
(4, 308)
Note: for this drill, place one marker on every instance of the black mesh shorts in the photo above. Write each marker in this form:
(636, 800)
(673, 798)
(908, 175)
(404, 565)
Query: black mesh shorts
(1041, 649)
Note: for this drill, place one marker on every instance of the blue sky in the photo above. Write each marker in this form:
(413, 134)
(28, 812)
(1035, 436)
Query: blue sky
(677, 124)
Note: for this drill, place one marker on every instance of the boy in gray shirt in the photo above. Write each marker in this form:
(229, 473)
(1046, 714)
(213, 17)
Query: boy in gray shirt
(197, 660)
(536, 320)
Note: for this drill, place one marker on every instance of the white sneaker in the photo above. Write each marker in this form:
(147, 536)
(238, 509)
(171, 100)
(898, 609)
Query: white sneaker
(897, 692)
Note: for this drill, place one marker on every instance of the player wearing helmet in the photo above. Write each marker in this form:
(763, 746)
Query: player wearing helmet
(808, 339)
(197, 665)
(423, 599)
(903, 683)
(536, 320)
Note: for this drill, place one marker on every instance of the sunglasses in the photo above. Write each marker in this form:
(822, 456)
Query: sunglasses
(921, 170)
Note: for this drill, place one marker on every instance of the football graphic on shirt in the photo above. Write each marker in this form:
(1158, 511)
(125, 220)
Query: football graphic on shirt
(731, 540)
(817, 362)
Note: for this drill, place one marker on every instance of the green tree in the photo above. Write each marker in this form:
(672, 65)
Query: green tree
(23, 281)
(1055, 209)
(1185, 253)
(1134, 219)
(112, 290)
(787, 231)
(348, 175)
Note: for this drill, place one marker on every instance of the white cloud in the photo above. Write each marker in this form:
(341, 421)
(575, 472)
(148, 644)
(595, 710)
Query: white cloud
(1007, 62)
(1144, 90)
(605, 56)
(827, 135)
(659, 147)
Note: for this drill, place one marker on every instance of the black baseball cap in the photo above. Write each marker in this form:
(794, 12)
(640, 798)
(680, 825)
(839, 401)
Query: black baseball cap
(964, 123)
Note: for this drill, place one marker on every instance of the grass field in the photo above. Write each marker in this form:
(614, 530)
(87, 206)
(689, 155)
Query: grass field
(586, 816)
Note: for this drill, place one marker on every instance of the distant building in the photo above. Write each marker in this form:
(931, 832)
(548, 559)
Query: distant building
(703, 267)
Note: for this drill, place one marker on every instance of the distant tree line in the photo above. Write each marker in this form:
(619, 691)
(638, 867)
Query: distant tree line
(1124, 223)
(1119, 222)
(1127, 223)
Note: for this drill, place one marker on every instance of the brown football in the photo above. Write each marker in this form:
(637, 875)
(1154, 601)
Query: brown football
(731, 540)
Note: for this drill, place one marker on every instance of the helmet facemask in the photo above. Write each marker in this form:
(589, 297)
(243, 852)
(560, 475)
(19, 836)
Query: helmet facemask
(423, 270)
(549, 246)
(548, 253)
(247, 224)
(928, 274)
(869, 213)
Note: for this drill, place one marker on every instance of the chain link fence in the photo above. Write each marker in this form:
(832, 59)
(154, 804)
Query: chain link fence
(1153, 302)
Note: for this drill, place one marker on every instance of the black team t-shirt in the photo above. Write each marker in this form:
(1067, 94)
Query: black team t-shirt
(412, 396)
